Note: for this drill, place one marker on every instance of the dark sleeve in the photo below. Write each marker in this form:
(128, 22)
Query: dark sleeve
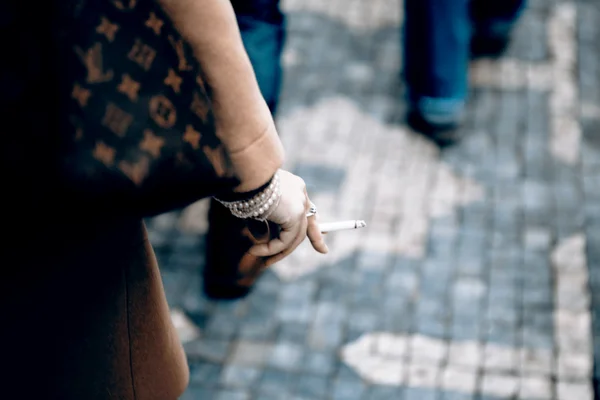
(131, 128)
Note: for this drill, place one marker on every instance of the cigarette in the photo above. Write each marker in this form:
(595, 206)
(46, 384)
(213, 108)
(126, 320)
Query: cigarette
(341, 225)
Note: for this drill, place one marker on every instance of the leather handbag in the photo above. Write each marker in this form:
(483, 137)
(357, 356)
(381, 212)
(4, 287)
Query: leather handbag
(133, 121)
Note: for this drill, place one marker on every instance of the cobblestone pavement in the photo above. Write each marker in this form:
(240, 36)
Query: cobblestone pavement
(479, 273)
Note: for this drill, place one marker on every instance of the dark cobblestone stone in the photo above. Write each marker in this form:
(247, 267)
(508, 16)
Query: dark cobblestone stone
(204, 374)
(347, 389)
(232, 395)
(276, 383)
(206, 349)
(420, 394)
(286, 356)
(383, 393)
(312, 386)
(196, 393)
(236, 376)
(456, 396)
(320, 363)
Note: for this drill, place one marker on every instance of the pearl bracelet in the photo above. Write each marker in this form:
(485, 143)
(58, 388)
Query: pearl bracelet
(260, 206)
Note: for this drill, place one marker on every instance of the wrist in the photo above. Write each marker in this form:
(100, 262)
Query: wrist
(258, 160)
(243, 196)
(257, 204)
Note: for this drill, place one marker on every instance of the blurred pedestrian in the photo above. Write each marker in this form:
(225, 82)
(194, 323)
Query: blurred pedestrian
(112, 111)
(439, 38)
(262, 25)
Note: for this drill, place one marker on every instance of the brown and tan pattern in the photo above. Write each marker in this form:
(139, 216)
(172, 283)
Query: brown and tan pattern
(108, 29)
(135, 70)
(129, 87)
(92, 59)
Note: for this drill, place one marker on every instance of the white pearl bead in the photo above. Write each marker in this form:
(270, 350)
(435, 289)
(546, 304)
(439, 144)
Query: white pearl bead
(260, 210)
(255, 214)
(245, 205)
(251, 202)
(270, 202)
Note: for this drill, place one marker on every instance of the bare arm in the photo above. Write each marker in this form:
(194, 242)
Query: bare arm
(243, 121)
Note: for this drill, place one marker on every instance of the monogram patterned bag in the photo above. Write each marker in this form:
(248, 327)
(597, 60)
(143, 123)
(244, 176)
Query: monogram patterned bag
(136, 129)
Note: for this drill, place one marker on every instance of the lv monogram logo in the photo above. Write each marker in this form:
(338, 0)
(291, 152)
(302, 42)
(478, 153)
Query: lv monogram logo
(142, 54)
(135, 171)
(78, 125)
(104, 153)
(217, 158)
(199, 107)
(179, 49)
(120, 4)
(117, 120)
(162, 111)
(154, 23)
(192, 137)
(82, 95)
(152, 143)
(92, 59)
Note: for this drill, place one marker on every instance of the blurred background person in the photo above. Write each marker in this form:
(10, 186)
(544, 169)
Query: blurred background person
(262, 25)
(439, 38)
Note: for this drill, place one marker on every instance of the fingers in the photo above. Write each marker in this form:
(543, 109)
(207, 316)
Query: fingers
(275, 246)
(290, 236)
(290, 215)
(295, 243)
(315, 236)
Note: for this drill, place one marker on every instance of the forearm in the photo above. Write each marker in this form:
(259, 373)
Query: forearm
(243, 121)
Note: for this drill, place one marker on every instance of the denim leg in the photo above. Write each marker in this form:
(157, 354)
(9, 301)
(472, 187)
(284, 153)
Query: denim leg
(262, 26)
(496, 18)
(436, 56)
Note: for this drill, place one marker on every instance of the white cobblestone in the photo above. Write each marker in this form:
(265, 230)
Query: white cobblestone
(500, 385)
(459, 380)
(465, 354)
(427, 350)
(536, 361)
(566, 132)
(572, 319)
(535, 388)
(574, 391)
(423, 375)
(499, 358)
(356, 14)
(574, 366)
(186, 329)
(392, 346)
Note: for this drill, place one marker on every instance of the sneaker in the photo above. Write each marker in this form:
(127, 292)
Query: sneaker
(489, 46)
(491, 39)
(438, 119)
(442, 134)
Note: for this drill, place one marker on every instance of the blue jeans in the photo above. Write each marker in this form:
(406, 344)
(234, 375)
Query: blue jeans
(437, 36)
(262, 26)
